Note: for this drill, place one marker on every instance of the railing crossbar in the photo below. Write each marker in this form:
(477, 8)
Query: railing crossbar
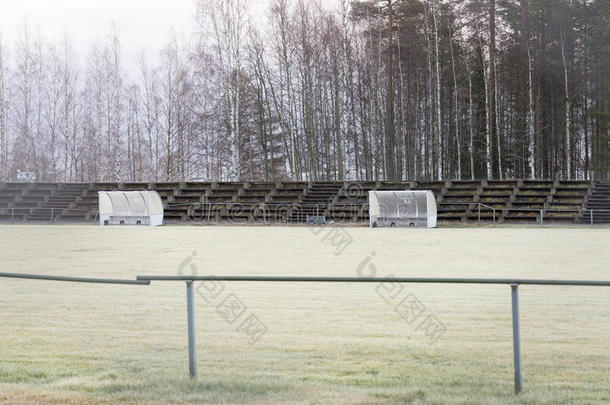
(75, 279)
(326, 279)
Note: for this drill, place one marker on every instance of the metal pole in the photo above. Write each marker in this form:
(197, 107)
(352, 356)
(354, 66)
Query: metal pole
(541, 217)
(591, 215)
(51, 214)
(190, 314)
(516, 337)
(13, 214)
(479, 205)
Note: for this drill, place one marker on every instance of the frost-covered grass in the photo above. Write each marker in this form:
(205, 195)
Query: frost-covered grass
(325, 343)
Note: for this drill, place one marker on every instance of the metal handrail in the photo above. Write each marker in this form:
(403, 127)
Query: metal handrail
(146, 280)
(74, 279)
(542, 211)
(479, 204)
(52, 211)
(322, 279)
(269, 207)
(557, 210)
(266, 206)
(514, 285)
(271, 204)
(46, 208)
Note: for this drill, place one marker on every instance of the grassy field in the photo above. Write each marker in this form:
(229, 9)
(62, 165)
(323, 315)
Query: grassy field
(324, 343)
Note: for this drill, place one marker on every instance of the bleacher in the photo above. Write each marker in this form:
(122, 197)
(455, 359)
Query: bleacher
(597, 201)
(514, 201)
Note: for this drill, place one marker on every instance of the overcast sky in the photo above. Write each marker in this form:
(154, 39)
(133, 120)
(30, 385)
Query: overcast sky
(141, 24)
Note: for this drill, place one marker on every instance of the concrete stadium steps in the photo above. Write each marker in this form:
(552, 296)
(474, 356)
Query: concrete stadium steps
(452, 212)
(89, 199)
(434, 186)
(255, 193)
(105, 186)
(483, 214)
(236, 213)
(499, 184)
(187, 195)
(454, 198)
(514, 200)
(185, 198)
(288, 193)
(9, 208)
(350, 204)
(356, 192)
(9, 193)
(61, 204)
(565, 202)
(465, 184)
(528, 201)
(496, 195)
(173, 211)
(568, 196)
(6, 199)
(598, 199)
(316, 199)
(17, 200)
(222, 192)
(165, 190)
(133, 186)
(219, 200)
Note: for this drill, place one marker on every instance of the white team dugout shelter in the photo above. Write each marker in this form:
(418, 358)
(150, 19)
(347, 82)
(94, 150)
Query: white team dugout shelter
(412, 208)
(130, 208)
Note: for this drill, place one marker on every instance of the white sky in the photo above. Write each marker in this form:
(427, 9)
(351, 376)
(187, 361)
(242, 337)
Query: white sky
(141, 24)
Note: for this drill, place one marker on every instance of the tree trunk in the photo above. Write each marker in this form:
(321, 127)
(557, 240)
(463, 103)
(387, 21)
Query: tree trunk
(470, 128)
(3, 121)
(488, 125)
(568, 144)
(439, 138)
(456, 110)
(492, 73)
(531, 133)
(389, 150)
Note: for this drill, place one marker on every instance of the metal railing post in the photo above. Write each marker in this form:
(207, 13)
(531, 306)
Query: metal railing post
(51, 214)
(190, 315)
(591, 215)
(541, 217)
(13, 214)
(516, 337)
(479, 205)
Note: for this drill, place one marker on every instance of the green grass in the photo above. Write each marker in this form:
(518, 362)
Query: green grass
(325, 343)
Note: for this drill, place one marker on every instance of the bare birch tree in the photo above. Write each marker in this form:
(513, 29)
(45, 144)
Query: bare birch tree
(225, 21)
(4, 134)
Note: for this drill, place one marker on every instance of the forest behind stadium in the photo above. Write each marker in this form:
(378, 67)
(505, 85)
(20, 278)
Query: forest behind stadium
(391, 90)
